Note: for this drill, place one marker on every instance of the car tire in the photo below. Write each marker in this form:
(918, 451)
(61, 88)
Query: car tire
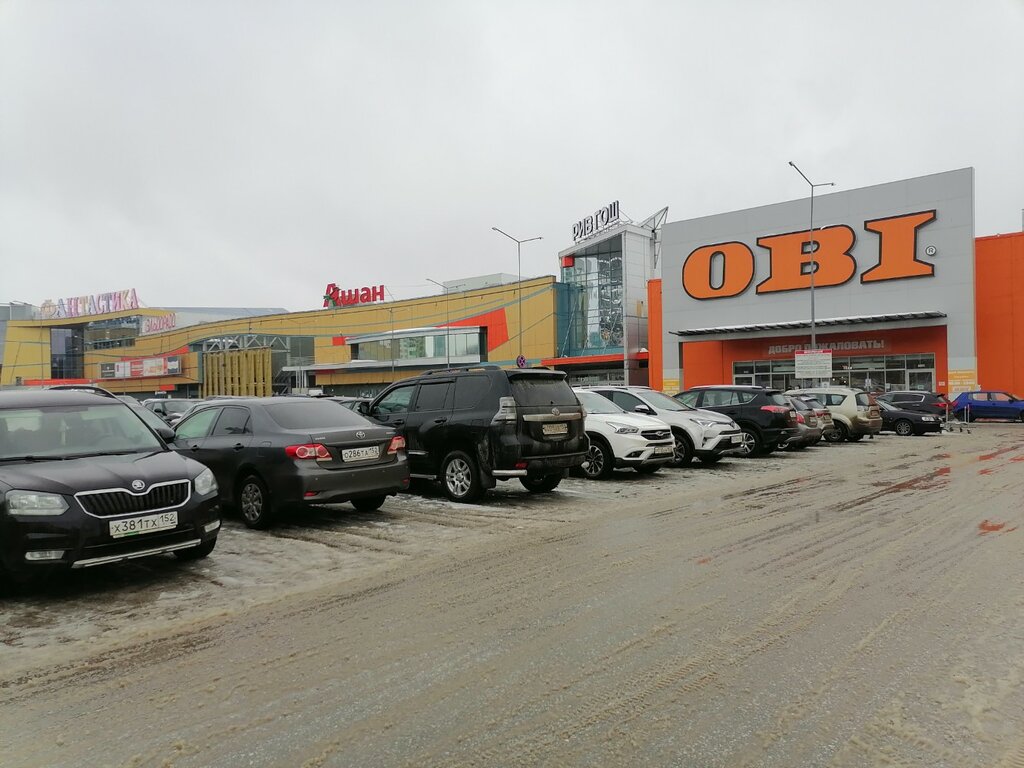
(600, 461)
(460, 479)
(1021, 416)
(751, 445)
(253, 503)
(542, 484)
(198, 552)
(368, 503)
(682, 454)
(904, 428)
(852, 438)
(710, 460)
(647, 469)
(838, 433)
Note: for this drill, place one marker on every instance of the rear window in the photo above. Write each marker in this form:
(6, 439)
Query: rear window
(312, 414)
(863, 399)
(777, 398)
(542, 391)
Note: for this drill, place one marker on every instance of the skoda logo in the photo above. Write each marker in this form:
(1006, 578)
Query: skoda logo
(360, 434)
(555, 412)
(138, 485)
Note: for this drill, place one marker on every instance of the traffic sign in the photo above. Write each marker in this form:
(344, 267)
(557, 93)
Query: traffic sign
(520, 362)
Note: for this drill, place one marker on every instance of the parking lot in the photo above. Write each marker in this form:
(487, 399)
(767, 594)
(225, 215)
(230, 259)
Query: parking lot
(852, 604)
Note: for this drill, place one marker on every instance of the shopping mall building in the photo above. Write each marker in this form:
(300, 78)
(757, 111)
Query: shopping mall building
(905, 296)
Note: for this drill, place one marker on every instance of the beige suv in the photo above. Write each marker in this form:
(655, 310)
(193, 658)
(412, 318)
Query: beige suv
(854, 412)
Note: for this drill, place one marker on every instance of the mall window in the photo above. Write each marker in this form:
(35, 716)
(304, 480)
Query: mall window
(67, 353)
(594, 284)
(874, 373)
(462, 344)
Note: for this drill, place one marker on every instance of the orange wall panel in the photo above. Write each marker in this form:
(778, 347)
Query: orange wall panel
(654, 341)
(999, 311)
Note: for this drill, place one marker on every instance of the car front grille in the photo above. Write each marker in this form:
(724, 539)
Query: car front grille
(122, 502)
(656, 434)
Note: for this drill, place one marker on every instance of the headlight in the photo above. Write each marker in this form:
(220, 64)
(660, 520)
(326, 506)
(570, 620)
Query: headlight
(623, 429)
(927, 418)
(34, 503)
(205, 483)
(706, 423)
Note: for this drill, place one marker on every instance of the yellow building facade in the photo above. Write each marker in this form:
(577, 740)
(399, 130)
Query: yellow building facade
(346, 350)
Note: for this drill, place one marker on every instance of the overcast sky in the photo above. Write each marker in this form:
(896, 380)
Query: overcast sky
(247, 153)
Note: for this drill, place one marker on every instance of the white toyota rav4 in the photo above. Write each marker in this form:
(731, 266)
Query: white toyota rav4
(705, 434)
(620, 439)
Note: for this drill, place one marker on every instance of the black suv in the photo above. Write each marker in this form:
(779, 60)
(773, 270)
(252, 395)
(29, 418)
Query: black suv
(470, 427)
(83, 481)
(766, 417)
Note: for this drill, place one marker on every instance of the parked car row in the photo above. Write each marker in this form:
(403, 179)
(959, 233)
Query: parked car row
(87, 478)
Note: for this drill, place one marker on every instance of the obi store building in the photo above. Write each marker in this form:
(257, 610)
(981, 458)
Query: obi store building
(905, 296)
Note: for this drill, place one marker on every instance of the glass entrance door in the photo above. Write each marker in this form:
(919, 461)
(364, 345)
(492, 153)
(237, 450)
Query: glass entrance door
(921, 380)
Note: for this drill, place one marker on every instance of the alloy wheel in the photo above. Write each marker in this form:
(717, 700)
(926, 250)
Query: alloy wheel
(457, 476)
(749, 444)
(595, 461)
(251, 502)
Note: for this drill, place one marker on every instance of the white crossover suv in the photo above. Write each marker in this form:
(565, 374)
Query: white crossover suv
(705, 434)
(620, 439)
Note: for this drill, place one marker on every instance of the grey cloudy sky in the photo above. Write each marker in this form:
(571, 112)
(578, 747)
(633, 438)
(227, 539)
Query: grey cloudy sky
(247, 153)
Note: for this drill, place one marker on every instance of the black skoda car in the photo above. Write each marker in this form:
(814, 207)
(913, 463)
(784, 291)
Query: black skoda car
(271, 453)
(84, 481)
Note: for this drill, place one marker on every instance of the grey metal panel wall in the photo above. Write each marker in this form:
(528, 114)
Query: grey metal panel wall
(950, 289)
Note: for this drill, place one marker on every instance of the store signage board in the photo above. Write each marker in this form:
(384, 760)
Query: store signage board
(337, 297)
(159, 323)
(813, 363)
(601, 218)
(96, 304)
(142, 368)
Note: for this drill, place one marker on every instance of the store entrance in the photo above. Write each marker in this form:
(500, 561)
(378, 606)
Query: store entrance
(871, 373)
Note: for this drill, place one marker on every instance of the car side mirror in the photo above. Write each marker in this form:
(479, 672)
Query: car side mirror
(363, 408)
(644, 410)
(166, 434)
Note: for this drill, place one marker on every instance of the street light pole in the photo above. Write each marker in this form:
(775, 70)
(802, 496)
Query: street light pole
(519, 285)
(447, 324)
(813, 244)
(391, 344)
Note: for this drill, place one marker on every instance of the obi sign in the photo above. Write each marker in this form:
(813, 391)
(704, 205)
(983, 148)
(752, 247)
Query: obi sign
(723, 270)
(95, 304)
(337, 297)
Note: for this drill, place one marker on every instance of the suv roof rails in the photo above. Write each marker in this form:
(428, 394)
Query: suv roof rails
(463, 369)
(91, 388)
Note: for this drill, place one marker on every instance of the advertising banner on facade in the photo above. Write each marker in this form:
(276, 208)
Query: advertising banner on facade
(142, 368)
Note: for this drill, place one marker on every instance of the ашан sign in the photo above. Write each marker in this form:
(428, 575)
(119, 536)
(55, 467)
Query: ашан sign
(336, 297)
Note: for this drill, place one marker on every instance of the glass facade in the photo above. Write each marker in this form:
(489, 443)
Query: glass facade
(67, 353)
(594, 294)
(873, 373)
(420, 347)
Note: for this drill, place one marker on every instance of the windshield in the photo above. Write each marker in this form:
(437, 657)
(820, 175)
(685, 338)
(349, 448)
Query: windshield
(594, 403)
(885, 405)
(663, 402)
(69, 431)
(313, 414)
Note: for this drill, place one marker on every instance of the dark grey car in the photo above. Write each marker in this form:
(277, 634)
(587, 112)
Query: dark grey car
(272, 453)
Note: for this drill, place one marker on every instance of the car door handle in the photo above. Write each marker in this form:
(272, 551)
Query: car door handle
(398, 422)
(442, 420)
(238, 446)
(194, 446)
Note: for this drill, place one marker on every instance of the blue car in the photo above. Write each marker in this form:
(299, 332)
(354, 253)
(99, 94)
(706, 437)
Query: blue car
(988, 405)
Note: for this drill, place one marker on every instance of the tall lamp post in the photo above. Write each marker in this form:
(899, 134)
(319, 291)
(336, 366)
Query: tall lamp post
(814, 247)
(447, 324)
(519, 268)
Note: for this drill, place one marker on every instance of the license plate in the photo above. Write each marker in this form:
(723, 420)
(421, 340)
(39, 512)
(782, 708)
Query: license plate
(737, 438)
(662, 449)
(556, 429)
(360, 454)
(133, 526)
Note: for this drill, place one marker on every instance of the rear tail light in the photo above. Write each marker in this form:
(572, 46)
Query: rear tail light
(775, 408)
(799, 418)
(506, 409)
(313, 451)
(397, 444)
